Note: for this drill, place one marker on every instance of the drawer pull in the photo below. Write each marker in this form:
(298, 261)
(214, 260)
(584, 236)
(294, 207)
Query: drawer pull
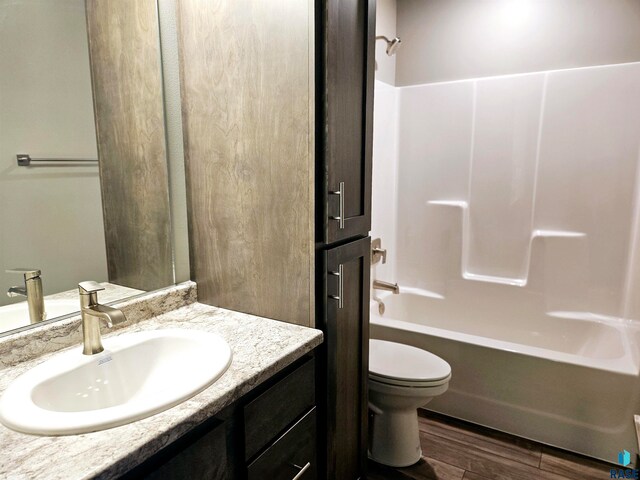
(302, 470)
(340, 296)
(340, 217)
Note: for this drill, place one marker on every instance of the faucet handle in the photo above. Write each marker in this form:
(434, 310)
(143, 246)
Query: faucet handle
(88, 287)
(29, 273)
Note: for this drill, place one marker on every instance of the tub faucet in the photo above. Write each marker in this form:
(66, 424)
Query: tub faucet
(32, 289)
(380, 285)
(92, 312)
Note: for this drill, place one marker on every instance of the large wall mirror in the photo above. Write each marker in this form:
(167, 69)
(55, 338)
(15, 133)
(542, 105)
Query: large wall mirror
(91, 174)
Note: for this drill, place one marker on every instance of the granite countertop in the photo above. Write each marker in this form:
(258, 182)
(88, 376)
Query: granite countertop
(261, 347)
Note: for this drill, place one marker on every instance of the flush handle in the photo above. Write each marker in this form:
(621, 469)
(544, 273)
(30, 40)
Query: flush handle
(340, 296)
(340, 217)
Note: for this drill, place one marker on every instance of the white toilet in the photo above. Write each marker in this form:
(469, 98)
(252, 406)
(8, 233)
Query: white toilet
(401, 379)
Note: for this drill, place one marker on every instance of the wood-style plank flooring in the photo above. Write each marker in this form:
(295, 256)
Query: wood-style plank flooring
(457, 450)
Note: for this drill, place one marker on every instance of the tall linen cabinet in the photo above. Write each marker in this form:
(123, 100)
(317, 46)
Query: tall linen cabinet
(344, 105)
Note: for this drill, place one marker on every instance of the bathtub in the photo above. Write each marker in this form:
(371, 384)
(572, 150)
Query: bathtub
(567, 379)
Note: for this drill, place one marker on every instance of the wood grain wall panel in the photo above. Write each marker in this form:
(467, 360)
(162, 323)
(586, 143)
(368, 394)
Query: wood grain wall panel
(124, 50)
(247, 114)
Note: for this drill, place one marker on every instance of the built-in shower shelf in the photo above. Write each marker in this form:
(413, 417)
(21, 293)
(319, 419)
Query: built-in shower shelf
(556, 234)
(587, 316)
(516, 282)
(463, 207)
(462, 204)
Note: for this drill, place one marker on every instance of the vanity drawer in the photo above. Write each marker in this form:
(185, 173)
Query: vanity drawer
(268, 415)
(292, 456)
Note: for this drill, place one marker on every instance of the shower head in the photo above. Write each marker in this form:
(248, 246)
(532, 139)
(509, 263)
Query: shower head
(392, 45)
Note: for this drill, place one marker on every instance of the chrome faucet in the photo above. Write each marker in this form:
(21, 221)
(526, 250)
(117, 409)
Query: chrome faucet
(32, 290)
(380, 285)
(92, 312)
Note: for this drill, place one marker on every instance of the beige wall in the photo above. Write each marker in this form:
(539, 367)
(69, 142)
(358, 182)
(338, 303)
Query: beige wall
(458, 39)
(51, 217)
(385, 25)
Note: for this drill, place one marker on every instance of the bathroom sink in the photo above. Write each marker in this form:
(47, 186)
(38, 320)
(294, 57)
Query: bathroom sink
(17, 314)
(138, 374)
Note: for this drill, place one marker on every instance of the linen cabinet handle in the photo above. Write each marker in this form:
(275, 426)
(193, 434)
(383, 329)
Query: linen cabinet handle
(340, 217)
(340, 275)
(302, 470)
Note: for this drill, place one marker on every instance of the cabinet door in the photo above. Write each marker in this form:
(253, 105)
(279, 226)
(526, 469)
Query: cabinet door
(349, 41)
(200, 455)
(347, 356)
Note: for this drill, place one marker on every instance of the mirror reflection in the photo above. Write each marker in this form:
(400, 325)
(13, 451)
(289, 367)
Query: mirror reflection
(82, 170)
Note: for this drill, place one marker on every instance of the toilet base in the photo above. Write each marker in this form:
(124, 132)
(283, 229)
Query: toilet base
(395, 438)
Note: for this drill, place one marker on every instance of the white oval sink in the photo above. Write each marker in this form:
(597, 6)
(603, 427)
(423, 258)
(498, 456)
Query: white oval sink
(139, 374)
(16, 315)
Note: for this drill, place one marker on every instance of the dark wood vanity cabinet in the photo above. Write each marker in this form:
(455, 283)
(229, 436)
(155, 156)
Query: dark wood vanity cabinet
(270, 434)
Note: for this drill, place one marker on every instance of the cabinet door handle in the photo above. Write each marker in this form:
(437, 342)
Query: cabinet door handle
(302, 470)
(340, 217)
(340, 296)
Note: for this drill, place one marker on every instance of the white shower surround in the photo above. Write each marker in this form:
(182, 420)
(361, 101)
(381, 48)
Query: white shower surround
(514, 199)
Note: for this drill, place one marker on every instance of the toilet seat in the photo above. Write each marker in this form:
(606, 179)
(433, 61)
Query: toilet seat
(397, 364)
(405, 383)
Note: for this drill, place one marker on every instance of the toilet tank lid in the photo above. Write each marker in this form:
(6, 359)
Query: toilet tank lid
(403, 362)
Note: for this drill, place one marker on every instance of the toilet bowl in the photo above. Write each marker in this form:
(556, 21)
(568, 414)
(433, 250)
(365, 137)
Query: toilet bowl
(401, 379)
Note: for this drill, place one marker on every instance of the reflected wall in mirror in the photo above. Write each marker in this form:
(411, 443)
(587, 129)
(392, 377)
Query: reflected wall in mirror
(124, 48)
(108, 219)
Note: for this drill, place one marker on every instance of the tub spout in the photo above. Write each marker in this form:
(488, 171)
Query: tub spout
(380, 285)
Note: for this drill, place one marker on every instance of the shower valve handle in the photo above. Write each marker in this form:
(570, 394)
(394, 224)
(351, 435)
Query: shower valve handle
(377, 252)
(382, 252)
